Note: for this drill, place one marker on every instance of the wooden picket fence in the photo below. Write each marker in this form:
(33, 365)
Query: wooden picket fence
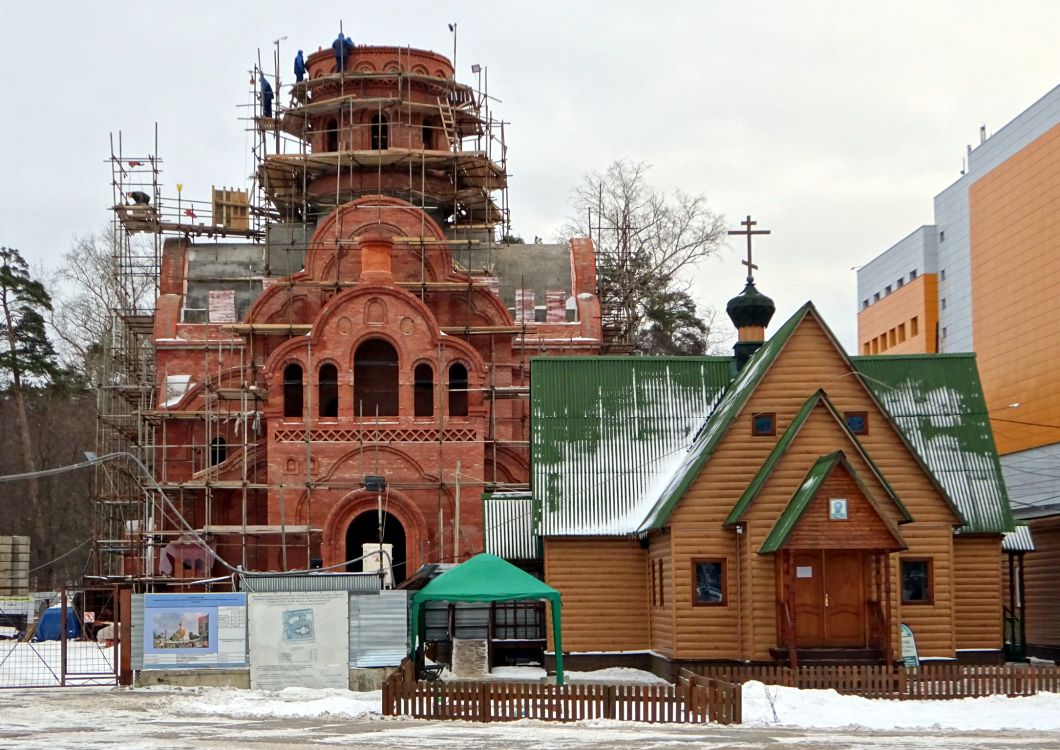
(929, 682)
(695, 699)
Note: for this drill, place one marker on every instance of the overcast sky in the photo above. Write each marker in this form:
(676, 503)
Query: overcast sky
(834, 124)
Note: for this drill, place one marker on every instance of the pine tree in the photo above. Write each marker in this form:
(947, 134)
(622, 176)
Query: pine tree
(26, 356)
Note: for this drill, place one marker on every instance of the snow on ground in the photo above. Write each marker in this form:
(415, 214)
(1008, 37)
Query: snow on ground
(38, 664)
(290, 703)
(829, 709)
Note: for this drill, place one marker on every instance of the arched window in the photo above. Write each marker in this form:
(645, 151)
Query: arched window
(375, 379)
(457, 390)
(423, 390)
(329, 391)
(331, 134)
(292, 390)
(218, 451)
(429, 127)
(380, 132)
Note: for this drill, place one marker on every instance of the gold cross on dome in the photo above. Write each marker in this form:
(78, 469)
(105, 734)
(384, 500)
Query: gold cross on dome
(751, 267)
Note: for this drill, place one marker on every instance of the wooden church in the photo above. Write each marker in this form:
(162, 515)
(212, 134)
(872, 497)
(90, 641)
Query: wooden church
(789, 504)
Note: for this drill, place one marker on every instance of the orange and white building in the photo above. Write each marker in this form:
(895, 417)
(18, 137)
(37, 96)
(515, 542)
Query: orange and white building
(983, 278)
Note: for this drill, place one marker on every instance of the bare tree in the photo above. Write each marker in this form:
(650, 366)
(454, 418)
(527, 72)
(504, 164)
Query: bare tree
(647, 242)
(89, 292)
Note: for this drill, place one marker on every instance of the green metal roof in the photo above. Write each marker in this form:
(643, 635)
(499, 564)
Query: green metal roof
(729, 406)
(508, 526)
(606, 430)
(785, 441)
(937, 402)
(815, 477)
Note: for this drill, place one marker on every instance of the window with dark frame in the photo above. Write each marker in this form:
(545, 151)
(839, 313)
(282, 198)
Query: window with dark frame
(708, 583)
(858, 422)
(916, 582)
(764, 424)
(423, 390)
(292, 390)
(328, 387)
(457, 390)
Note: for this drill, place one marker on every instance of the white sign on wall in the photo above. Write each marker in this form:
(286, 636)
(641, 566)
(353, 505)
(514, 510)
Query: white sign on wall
(299, 640)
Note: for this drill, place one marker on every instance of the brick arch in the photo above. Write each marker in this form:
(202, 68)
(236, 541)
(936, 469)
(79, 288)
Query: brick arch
(353, 504)
(510, 465)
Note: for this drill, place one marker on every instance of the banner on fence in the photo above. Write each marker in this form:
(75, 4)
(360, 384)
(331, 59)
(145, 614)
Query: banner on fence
(299, 640)
(187, 631)
(910, 657)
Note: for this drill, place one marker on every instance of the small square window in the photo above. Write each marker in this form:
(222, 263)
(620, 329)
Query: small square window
(864, 304)
(912, 274)
(876, 297)
(708, 583)
(900, 283)
(858, 422)
(943, 331)
(887, 289)
(916, 582)
(764, 423)
(837, 509)
(942, 236)
(942, 303)
(914, 326)
(942, 275)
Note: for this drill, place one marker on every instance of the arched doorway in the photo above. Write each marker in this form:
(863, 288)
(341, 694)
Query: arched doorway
(364, 529)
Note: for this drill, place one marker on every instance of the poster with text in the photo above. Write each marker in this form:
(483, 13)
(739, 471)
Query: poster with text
(183, 631)
(299, 639)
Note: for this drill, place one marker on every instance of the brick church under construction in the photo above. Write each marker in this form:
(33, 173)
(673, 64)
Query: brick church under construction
(339, 357)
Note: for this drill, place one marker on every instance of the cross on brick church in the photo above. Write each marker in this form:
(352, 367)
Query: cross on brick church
(748, 232)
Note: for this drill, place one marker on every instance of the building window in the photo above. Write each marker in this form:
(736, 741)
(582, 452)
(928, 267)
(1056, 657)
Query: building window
(892, 338)
(912, 274)
(430, 127)
(942, 275)
(876, 297)
(914, 327)
(858, 422)
(457, 390)
(292, 391)
(942, 303)
(708, 583)
(218, 451)
(900, 283)
(328, 389)
(942, 235)
(866, 348)
(764, 424)
(887, 290)
(916, 582)
(331, 133)
(423, 390)
(380, 133)
(375, 379)
(864, 304)
(943, 331)
(901, 332)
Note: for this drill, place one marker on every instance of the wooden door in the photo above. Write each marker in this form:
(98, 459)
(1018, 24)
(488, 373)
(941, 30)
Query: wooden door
(809, 599)
(844, 604)
(829, 599)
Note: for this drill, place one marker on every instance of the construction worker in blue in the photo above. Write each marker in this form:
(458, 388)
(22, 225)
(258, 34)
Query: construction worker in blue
(342, 52)
(266, 97)
(299, 67)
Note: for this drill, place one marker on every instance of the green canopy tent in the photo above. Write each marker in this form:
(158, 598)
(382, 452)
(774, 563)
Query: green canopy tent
(488, 578)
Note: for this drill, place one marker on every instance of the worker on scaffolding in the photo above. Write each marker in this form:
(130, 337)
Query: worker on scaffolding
(299, 67)
(266, 98)
(342, 48)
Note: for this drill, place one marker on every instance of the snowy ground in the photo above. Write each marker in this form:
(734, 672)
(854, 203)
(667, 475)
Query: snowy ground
(38, 664)
(90, 718)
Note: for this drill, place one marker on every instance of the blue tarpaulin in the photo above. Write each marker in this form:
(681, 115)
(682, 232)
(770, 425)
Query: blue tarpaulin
(50, 628)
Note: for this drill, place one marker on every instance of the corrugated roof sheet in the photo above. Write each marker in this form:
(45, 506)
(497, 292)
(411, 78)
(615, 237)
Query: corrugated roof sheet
(509, 526)
(605, 429)
(937, 402)
(1019, 540)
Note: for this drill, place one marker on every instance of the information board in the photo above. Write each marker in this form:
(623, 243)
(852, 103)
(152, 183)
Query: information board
(187, 631)
(910, 657)
(299, 640)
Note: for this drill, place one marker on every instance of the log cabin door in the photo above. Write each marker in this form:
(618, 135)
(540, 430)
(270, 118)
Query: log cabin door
(830, 599)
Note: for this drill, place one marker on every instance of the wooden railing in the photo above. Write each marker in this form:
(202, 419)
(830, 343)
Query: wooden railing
(695, 699)
(931, 681)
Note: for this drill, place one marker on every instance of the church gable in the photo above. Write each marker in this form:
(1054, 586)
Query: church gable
(833, 509)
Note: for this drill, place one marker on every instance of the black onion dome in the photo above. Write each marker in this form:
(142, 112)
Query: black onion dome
(750, 308)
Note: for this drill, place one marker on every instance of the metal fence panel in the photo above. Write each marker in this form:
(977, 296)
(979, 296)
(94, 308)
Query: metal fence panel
(378, 629)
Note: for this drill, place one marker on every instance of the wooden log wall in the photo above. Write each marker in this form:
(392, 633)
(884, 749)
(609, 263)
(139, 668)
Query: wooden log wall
(1042, 584)
(977, 592)
(604, 585)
